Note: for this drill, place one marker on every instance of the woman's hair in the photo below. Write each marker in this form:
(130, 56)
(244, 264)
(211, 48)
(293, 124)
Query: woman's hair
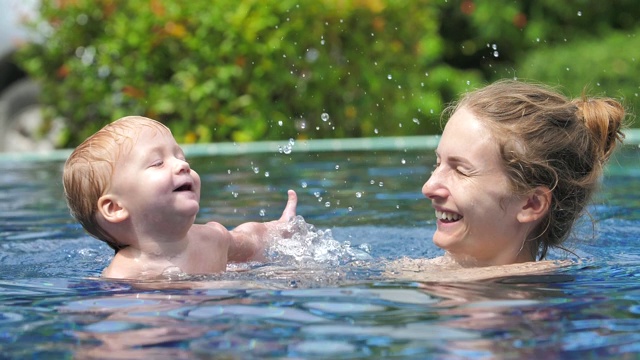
(546, 139)
(88, 171)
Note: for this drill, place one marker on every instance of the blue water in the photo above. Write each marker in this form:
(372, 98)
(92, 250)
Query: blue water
(54, 305)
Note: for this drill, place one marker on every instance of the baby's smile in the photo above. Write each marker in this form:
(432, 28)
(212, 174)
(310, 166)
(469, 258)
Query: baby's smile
(185, 187)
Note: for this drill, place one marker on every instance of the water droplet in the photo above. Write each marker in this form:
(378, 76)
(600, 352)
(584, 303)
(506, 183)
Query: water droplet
(358, 194)
(350, 209)
(292, 142)
(496, 54)
(337, 167)
(262, 212)
(324, 116)
(327, 204)
(304, 184)
(403, 161)
(316, 193)
(280, 123)
(381, 184)
(579, 13)
(375, 131)
(389, 77)
(256, 169)
(266, 174)
(415, 120)
(372, 182)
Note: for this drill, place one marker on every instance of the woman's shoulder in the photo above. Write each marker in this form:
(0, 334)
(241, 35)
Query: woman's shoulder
(443, 269)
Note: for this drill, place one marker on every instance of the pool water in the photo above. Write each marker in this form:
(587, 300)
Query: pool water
(331, 300)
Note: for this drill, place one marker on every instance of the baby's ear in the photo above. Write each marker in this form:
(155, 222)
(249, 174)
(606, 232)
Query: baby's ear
(536, 206)
(111, 210)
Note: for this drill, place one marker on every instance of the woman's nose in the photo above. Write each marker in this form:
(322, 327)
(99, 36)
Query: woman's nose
(434, 186)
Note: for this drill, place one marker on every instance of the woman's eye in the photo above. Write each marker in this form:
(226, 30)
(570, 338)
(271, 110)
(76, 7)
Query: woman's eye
(462, 171)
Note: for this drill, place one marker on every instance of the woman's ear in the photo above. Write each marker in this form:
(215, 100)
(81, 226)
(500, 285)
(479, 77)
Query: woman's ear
(111, 210)
(536, 206)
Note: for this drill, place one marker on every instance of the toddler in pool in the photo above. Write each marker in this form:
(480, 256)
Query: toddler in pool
(130, 186)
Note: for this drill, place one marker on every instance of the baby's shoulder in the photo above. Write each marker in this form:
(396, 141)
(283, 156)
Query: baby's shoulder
(211, 232)
(123, 266)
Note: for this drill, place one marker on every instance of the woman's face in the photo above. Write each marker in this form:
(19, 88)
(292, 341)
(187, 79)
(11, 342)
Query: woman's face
(476, 211)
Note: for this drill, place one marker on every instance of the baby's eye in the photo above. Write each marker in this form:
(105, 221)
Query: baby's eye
(157, 163)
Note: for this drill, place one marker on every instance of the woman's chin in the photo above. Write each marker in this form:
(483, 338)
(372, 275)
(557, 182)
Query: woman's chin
(444, 241)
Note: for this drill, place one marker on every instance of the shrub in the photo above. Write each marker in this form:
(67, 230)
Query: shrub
(246, 70)
(608, 66)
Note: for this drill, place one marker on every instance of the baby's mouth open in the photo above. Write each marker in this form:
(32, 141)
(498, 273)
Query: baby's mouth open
(447, 217)
(185, 187)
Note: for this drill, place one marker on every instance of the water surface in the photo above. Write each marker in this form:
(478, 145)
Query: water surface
(54, 305)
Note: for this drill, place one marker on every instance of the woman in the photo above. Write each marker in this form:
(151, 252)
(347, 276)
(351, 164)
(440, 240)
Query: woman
(517, 164)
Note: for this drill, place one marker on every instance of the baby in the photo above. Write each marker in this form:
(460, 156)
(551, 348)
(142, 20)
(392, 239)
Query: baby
(130, 186)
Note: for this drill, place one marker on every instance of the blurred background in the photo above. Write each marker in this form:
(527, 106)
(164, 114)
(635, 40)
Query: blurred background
(247, 70)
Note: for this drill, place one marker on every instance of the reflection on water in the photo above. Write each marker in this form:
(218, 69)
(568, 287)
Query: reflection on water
(330, 294)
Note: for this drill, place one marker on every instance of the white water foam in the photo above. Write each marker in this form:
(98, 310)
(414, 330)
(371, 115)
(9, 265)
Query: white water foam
(306, 245)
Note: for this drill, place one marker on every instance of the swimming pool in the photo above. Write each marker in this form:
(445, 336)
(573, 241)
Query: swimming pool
(314, 304)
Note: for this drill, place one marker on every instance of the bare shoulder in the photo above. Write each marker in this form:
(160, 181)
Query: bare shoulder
(212, 235)
(439, 269)
(124, 265)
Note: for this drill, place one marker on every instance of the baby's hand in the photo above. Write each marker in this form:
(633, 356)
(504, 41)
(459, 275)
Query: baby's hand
(289, 211)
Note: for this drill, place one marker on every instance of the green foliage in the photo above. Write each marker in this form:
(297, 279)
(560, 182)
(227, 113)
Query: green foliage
(577, 45)
(607, 67)
(242, 70)
(246, 70)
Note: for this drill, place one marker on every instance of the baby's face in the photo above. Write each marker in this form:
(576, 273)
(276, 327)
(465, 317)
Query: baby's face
(153, 179)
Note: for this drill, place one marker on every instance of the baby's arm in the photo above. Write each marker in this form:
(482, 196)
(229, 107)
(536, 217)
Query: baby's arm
(249, 239)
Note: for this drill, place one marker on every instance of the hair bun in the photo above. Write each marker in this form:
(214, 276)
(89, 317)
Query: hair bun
(604, 118)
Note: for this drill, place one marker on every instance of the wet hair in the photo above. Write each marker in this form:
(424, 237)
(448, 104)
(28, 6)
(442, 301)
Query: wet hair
(547, 139)
(88, 171)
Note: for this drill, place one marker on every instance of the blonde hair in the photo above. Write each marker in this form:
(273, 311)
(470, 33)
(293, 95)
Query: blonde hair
(88, 170)
(546, 139)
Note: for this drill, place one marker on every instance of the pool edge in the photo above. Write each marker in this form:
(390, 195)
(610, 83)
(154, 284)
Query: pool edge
(318, 145)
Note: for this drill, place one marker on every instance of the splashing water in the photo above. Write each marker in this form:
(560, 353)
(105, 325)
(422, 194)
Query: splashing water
(310, 246)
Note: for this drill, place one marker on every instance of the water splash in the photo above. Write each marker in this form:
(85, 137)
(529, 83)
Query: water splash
(309, 246)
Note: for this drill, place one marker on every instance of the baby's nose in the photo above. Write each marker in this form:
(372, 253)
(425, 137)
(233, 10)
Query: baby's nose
(182, 166)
